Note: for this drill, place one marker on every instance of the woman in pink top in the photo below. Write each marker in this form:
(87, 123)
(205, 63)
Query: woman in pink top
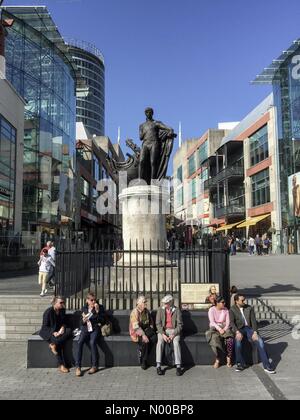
(220, 336)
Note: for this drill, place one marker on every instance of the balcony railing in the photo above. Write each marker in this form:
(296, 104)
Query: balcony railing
(236, 171)
(230, 210)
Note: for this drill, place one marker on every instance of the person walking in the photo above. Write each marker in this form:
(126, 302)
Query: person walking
(45, 263)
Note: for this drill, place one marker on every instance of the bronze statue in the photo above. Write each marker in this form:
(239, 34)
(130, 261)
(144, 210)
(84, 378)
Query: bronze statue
(157, 147)
(151, 161)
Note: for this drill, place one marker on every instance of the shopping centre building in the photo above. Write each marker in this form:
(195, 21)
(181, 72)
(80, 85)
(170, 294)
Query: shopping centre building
(248, 182)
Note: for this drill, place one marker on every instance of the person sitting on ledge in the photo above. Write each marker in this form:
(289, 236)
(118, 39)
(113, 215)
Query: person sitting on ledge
(92, 318)
(169, 326)
(220, 336)
(244, 324)
(54, 330)
(141, 330)
(212, 297)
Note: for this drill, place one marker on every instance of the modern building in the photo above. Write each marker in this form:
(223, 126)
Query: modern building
(90, 92)
(43, 72)
(11, 158)
(92, 167)
(244, 189)
(191, 170)
(284, 76)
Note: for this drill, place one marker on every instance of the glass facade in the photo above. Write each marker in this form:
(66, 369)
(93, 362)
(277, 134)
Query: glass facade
(260, 188)
(90, 109)
(259, 146)
(8, 137)
(45, 77)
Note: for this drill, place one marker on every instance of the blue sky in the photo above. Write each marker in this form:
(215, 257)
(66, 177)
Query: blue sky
(192, 60)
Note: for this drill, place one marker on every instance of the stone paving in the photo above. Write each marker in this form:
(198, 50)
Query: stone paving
(198, 383)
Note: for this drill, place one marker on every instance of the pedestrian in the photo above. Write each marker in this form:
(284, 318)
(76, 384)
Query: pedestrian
(55, 331)
(258, 244)
(141, 330)
(212, 297)
(233, 292)
(45, 263)
(93, 316)
(251, 244)
(169, 327)
(244, 324)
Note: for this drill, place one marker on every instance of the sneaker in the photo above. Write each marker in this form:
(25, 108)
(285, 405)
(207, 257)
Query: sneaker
(270, 371)
(42, 294)
(239, 368)
(45, 292)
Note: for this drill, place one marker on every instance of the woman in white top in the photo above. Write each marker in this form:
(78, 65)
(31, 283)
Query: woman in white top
(45, 263)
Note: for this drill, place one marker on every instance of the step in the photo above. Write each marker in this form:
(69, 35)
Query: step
(23, 321)
(25, 308)
(22, 329)
(16, 337)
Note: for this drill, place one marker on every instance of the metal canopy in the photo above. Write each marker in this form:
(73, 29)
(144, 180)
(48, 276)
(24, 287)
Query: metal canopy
(272, 72)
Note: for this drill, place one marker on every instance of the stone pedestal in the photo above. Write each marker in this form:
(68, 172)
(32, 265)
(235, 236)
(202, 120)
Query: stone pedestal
(144, 224)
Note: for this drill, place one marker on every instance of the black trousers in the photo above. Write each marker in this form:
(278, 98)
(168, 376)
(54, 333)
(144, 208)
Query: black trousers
(145, 348)
(60, 342)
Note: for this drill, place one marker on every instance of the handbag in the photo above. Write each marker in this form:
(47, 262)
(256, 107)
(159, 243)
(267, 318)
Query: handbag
(149, 332)
(106, 330)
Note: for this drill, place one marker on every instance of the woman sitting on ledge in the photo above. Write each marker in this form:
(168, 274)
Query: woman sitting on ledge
(141, 330)
(220, 336)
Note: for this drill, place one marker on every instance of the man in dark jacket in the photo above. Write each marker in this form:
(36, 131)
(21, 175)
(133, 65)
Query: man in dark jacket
(244, 324)
(169, 326)
(54, 330)
(93, 316)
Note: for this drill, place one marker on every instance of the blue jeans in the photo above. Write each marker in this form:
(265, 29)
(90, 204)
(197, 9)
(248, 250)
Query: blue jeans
(92, 338)
(248, 332)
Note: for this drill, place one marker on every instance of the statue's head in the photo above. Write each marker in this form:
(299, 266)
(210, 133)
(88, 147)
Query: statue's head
(149, 113)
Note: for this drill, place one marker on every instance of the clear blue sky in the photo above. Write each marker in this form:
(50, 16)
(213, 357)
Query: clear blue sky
(192, 60)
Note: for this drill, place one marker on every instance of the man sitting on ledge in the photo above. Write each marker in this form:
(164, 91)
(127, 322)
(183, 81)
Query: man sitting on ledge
(244, 324)
(169, 326)
(54, 330)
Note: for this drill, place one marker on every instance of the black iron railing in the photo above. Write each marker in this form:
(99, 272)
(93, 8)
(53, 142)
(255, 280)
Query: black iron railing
(118, 277)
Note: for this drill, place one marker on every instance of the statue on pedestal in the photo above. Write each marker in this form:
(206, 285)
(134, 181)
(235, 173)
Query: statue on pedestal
(151, 161)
